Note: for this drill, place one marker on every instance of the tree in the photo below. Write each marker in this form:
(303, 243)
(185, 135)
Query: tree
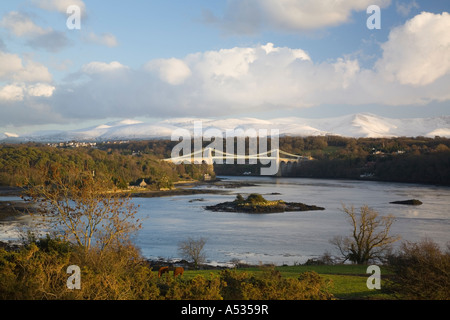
(370, 238)
(83, 207)
(192, 249)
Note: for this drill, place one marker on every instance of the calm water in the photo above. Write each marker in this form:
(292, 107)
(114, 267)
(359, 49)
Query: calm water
(291, 237)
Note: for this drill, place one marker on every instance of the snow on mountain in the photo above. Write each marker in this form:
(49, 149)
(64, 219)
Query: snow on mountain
(356, 125)
(11, 135)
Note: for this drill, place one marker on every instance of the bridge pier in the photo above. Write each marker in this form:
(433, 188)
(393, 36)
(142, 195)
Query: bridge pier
(207, 156)
(286, 168)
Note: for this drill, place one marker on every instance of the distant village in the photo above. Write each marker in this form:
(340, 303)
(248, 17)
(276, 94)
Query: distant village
(79, 144)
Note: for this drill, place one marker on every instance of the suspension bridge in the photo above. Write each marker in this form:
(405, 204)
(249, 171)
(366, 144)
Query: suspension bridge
(210, 156)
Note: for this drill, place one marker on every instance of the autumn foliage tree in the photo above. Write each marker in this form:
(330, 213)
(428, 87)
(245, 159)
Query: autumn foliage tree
(83, 208)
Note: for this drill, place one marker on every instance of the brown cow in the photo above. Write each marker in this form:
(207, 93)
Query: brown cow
(178, 271)
(162, 270)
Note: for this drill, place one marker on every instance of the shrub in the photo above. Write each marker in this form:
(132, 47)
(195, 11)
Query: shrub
(118, 273)
(199, 288)
(34, 273)
(421, 271)
(38, 271)
(269, 285)
(255, 198)
(239, 198)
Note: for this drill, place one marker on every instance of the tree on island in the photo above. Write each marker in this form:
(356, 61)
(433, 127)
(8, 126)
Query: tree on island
(369, 240)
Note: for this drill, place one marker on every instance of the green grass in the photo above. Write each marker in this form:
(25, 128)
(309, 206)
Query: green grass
(348, 281)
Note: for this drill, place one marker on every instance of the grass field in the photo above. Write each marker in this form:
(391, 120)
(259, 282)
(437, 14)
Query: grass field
(348, 281)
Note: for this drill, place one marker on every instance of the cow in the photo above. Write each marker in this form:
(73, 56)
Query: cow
(178, 271)
(162, 270)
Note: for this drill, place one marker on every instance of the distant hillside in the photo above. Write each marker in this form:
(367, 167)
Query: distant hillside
(356, 125)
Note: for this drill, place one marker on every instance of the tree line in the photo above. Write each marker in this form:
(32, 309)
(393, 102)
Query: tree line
(402, 159)
(24, 163)
(412, 160)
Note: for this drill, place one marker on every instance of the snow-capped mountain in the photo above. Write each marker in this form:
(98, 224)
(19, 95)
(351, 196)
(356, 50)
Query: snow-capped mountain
(356, 125)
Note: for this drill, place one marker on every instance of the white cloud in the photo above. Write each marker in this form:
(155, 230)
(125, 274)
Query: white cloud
(23, 79)
(12, 69)
(250, 16)
(173, 71)
(225, 63)
(18, 91)
(9, 63)
(105, 39)
(60, 5)
(11, 92)
(418, 53)
(21, 25)
(41, 90)
(32, 72)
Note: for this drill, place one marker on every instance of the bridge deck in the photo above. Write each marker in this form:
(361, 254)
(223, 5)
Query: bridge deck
(194, 156)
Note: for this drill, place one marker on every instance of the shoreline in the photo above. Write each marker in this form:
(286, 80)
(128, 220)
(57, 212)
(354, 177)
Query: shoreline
(11, 210)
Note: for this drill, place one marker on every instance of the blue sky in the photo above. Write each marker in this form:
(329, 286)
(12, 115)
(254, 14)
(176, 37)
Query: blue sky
(219, 59)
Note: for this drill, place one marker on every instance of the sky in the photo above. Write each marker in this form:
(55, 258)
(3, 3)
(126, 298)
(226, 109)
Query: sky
(154, 60)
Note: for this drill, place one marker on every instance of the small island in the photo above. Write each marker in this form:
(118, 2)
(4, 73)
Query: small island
(255, 203)
(412, 202)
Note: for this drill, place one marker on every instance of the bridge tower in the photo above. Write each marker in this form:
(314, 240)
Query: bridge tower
(207, 156)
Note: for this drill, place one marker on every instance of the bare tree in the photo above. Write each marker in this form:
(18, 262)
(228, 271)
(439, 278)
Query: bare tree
(82, 207)
(370, 239)
(192, 249)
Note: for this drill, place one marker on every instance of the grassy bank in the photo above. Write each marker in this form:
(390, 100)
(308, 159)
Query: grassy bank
(348, 281)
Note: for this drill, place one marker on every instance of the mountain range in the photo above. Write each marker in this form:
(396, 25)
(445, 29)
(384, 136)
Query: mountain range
(355, 125)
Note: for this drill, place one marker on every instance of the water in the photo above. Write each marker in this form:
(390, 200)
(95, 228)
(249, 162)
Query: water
(291, 237)
(283, 238)
(13, 229)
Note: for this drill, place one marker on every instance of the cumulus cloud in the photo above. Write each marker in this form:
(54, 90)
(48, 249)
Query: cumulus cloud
(172, 71)
(250, 16)
(11, 92)
(18, 91)
(21, 25)
(40, 90)
(12, 69)
(418, 53)
(22, 79)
